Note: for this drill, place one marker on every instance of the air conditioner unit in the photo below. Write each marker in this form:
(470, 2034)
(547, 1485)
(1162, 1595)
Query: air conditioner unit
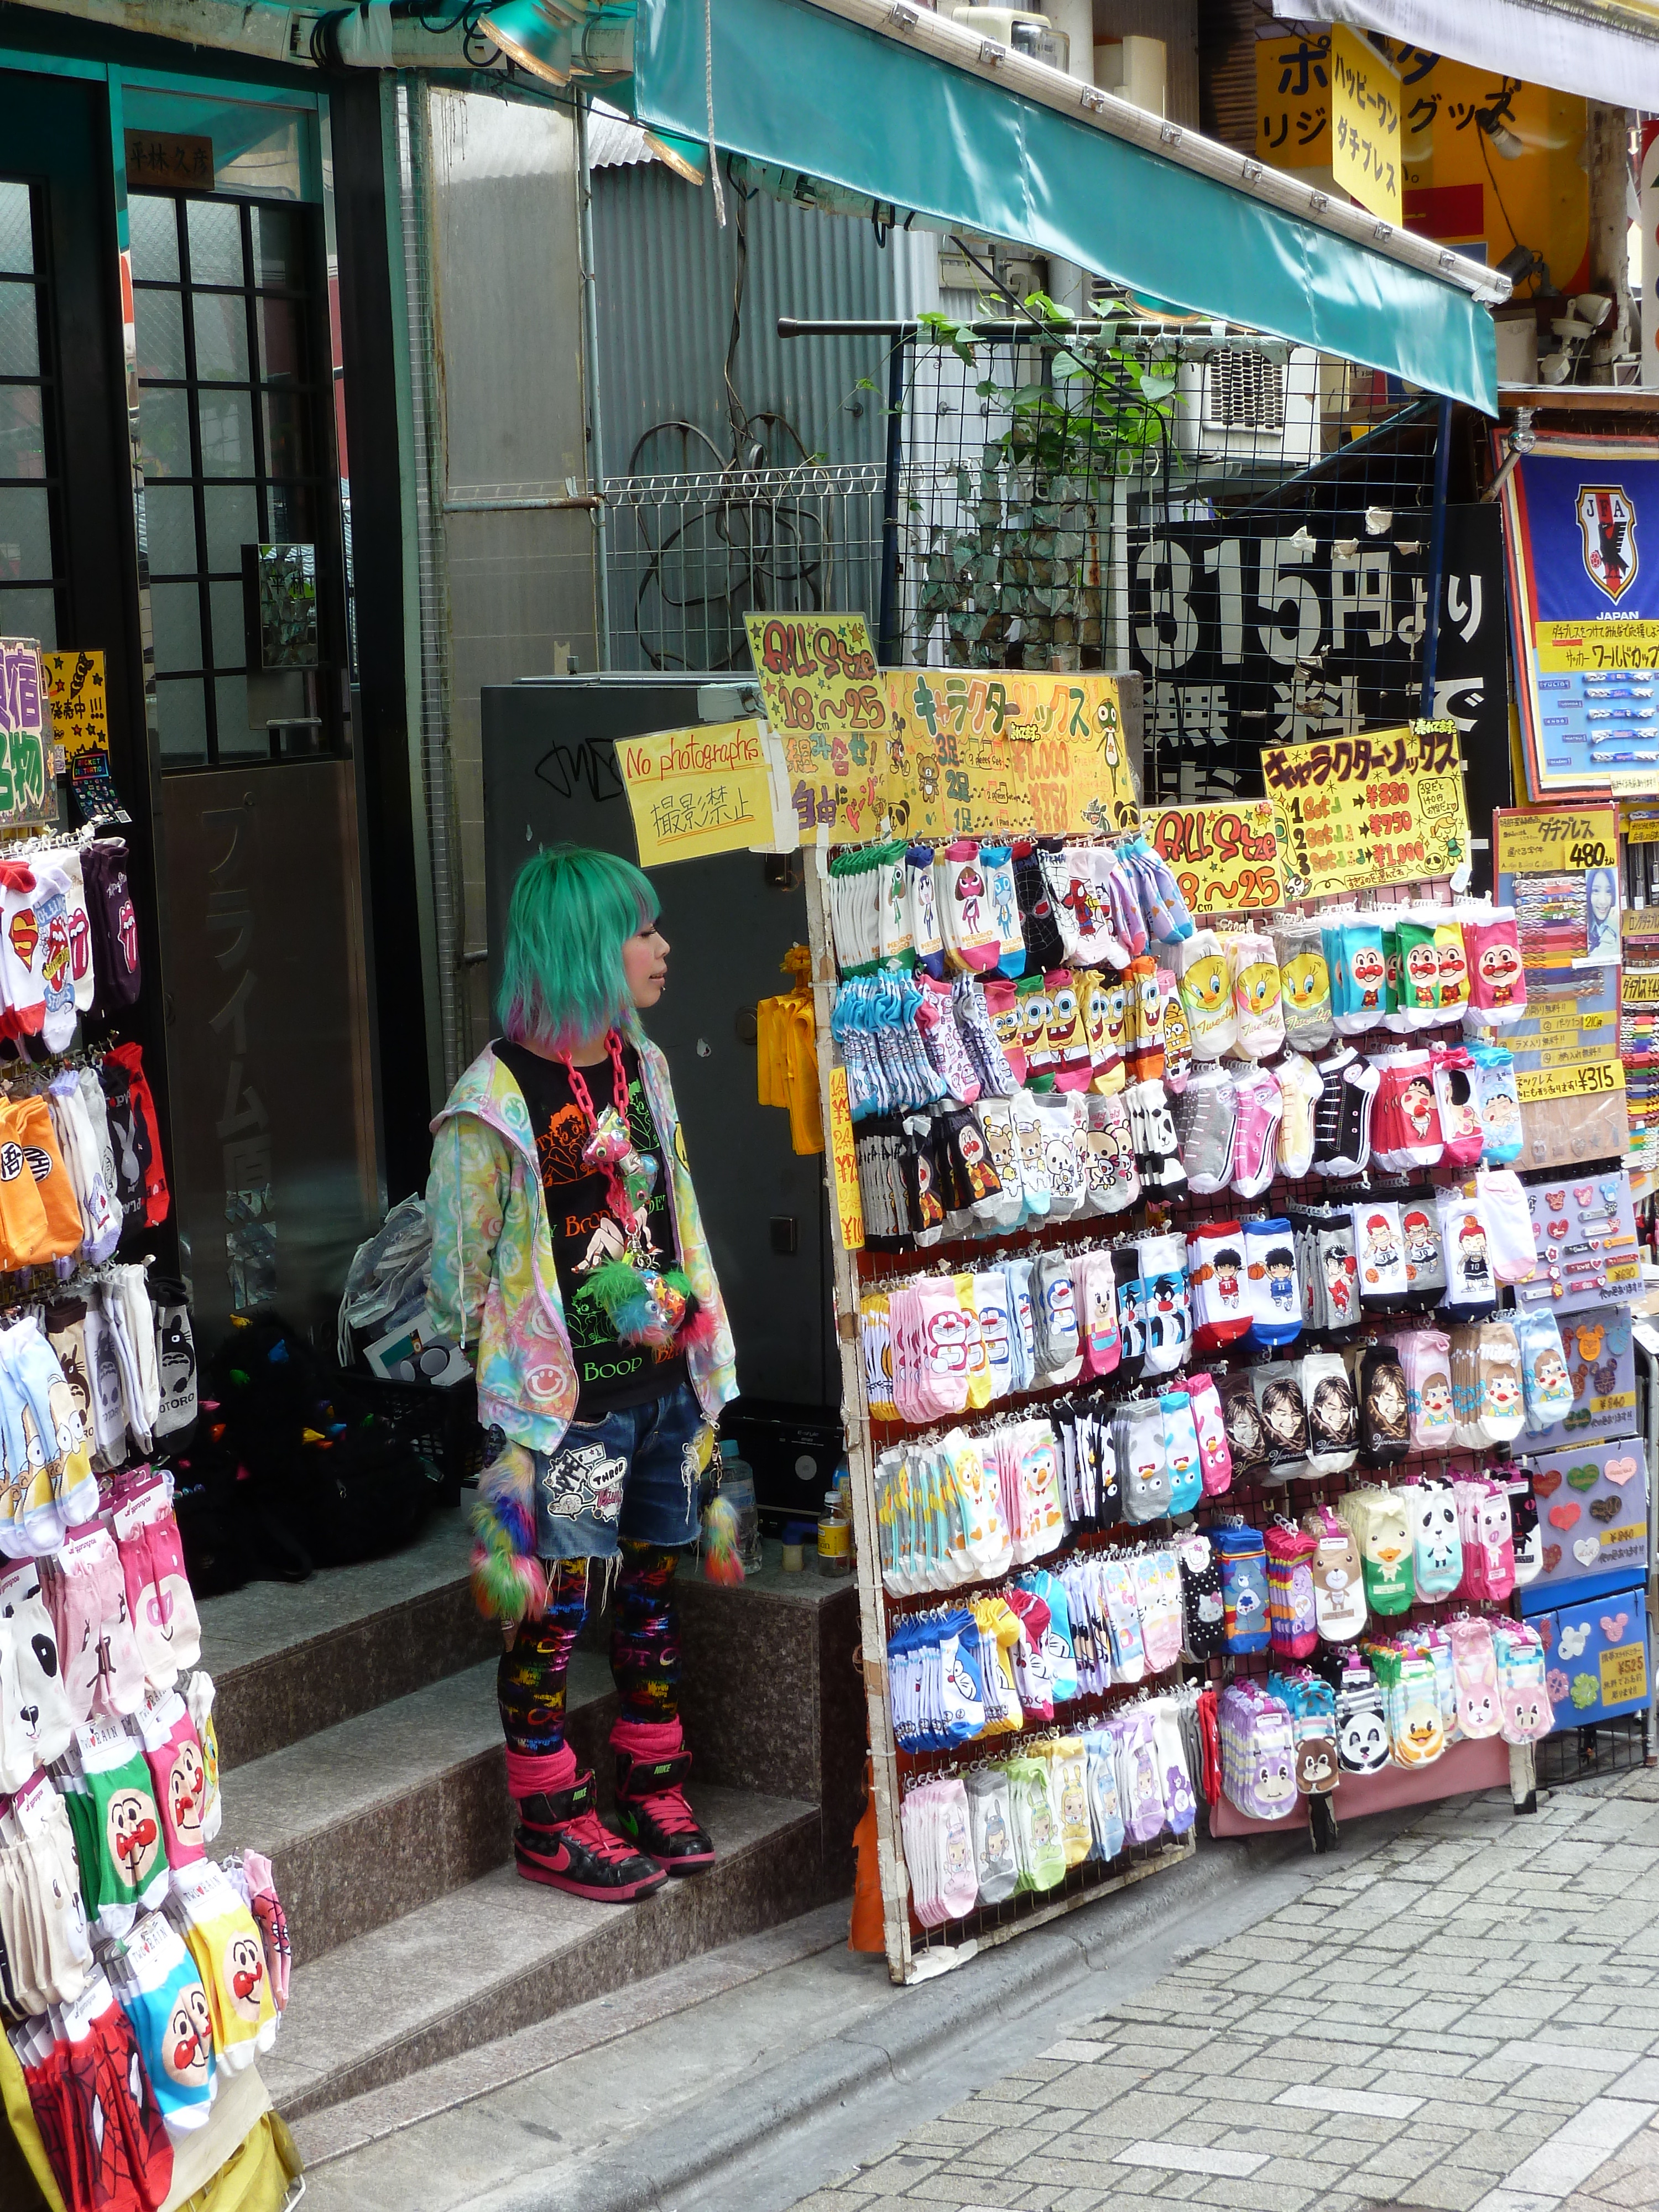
(1243, 402)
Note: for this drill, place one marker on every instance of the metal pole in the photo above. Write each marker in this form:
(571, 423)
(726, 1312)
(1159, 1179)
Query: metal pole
(591, 375)
(1437, 556)
(888, 644)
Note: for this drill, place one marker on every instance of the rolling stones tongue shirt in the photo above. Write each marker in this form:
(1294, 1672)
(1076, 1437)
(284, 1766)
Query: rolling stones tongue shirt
(610, 1374)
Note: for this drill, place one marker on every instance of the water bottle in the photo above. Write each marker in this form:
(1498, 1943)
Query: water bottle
(737, 1484)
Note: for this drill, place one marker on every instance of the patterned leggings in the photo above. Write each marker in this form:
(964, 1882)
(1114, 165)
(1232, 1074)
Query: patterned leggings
(645, 1648)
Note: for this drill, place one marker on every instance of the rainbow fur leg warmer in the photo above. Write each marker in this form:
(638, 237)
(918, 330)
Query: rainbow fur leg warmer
(507, 1583)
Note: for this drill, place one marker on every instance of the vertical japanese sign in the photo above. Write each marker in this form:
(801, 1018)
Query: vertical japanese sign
(243, 1126)
(844, 1160)
(698, 791)
(1360, 812)
(1365, 158)
(825, 701)
(27, 794)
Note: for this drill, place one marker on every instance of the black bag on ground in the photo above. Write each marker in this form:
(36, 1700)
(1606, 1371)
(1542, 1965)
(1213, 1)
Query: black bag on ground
(327, 1477)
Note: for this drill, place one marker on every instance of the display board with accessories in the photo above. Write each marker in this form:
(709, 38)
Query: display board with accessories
(136, 1977)
(1187, 1384)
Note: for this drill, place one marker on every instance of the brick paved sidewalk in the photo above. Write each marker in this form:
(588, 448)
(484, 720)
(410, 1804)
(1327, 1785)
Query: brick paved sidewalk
(1465, 2019)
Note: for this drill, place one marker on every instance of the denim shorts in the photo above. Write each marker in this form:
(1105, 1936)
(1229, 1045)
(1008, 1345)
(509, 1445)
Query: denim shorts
(635, 1473)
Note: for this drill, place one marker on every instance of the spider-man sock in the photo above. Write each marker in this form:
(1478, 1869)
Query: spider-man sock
(529, 1679)
(644, 1637)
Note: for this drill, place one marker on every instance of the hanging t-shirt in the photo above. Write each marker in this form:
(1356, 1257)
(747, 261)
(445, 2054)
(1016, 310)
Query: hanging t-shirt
(610, 1374)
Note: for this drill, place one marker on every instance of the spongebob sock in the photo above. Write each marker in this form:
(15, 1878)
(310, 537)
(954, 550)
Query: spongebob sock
(530, 1679)
(644, 1637)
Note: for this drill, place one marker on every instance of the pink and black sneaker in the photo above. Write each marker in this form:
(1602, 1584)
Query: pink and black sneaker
(561, 1841)
(650, 1803)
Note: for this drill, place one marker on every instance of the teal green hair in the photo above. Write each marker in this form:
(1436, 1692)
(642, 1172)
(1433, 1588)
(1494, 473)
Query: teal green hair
(562, 980)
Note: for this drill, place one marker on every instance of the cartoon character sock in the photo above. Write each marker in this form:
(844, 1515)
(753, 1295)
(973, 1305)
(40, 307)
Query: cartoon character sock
(1419, 968)
(1182, 1458)
(1244, 1587)
(1205, 983)
(1216, 1267)
(1496, 977)
(1143, 1471)
(1275, 1288)
(1293, 1624)
(178, 1622)
(530, 1679)
(1381, 1251)
(1547, 1384)
(35, 1721)
(1305, 983)
(1453, 1070)
(200, 1694)
(1466, 1241)
(1500, 1106)
(160, 1992)
(224, 1944)
(1168, 1313)
(144, 1611)
(179, 1772)
(990, 1818)
(1253, 973)
(123, 1860)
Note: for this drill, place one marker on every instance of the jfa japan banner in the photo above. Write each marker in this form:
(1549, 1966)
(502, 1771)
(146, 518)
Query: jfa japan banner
(1581, 529)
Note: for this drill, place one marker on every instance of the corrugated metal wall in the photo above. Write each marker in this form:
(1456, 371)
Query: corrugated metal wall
(1175, 22)
(666, 273)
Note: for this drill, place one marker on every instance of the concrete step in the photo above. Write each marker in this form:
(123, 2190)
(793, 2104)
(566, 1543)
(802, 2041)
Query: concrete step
(485, 1961)
(290, 1659)
(375, 1817)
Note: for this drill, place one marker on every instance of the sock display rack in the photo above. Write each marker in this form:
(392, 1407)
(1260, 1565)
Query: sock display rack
(1328, 1559)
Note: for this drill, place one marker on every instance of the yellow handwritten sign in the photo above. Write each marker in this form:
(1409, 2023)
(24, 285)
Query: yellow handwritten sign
(826, 701)
(844, 1159)
(1594, 647)
(1589, 1079)
(1366, 157)
(1007, 752)
(1624, 1674)
(698, 791)
(1225, 859)
(79, 701)
(1353, 813)
(1551, 840)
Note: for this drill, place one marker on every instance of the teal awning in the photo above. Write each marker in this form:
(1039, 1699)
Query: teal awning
(804, 90)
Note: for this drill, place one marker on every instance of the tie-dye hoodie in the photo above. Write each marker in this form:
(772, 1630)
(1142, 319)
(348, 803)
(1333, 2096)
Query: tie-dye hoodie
(494, 1282)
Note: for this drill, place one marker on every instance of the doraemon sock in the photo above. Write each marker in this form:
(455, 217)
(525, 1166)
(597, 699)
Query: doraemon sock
(1054, 1314)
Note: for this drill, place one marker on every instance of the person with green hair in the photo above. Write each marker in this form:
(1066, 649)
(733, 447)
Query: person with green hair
(568, 1260)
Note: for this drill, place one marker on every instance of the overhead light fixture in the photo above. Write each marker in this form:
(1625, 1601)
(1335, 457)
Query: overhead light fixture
(1502, 136)
(686, 157)
(534, 36)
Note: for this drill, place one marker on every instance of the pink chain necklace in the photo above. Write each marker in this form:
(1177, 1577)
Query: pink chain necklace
(584, 1098)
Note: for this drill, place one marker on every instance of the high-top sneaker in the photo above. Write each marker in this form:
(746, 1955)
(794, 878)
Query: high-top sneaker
(652, 1809)
(561, 1841)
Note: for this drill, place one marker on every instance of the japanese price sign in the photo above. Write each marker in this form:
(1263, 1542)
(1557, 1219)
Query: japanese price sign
(1355, 813)
(844, 1159)
(826, 701)
(1535, 842)
(27, 794)
(698, 791)
(1366, 157)
(1225, 859)
(975, 752)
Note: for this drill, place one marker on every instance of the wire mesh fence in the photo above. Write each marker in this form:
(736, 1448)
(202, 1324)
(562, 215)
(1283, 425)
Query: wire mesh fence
(1244, 521)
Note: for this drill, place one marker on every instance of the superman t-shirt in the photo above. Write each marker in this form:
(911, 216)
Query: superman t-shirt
(610, 1374)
